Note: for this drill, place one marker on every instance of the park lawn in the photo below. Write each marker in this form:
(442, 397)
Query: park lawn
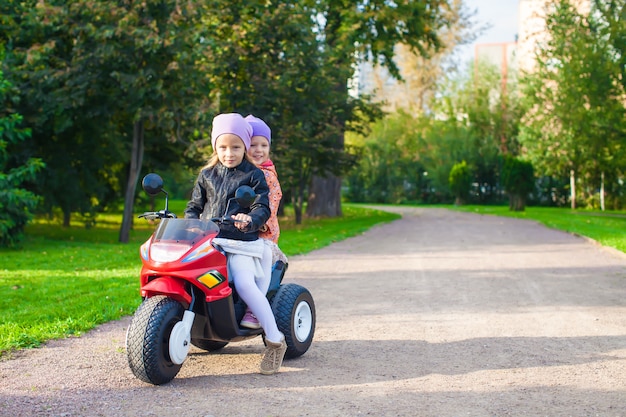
(66, 281)
(605, 227)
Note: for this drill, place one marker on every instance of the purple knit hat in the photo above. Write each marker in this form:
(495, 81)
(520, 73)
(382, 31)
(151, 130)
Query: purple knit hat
(231, 123)
(259, 127)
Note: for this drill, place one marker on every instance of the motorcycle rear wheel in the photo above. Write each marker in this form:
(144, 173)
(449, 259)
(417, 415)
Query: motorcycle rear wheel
(147, 340)
(294, 310)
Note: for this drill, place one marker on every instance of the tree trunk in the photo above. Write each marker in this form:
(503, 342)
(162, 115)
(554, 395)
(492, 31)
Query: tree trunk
(572, 184)
(297, 198)
(324, 197)
(325, 188)
(67, 215)
(602, 192)
(136, 159)
(297, 208)
(517, 202)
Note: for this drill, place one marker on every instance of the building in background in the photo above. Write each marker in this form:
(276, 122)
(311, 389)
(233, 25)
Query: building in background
(532, 28)
(502, 55)
(419, 77)
(531, 31)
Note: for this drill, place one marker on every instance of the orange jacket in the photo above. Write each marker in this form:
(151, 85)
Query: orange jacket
(272, 231)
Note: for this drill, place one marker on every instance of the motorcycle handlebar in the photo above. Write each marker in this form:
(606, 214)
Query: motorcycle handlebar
(153, 215)
(225, 219)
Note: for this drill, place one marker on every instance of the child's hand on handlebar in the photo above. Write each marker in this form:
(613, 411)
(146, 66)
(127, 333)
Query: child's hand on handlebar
(241, 221)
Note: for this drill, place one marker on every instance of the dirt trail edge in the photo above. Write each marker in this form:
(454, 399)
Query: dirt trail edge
(439, 313)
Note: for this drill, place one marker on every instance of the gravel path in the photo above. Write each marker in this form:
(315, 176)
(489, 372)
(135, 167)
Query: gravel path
(440, 313)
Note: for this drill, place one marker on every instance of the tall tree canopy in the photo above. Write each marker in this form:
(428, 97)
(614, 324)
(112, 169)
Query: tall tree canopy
(17, 203)
(266, 60)
(574, 99)
(111, 83)
(368, 30)
(100, 77)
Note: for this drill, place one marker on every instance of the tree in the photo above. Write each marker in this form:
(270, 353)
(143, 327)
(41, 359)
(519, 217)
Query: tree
(460, 182)
(483, 114)
(472, 119)
(16, 202)
(107, 74)
(39, 38)
(266, 60)
(367, 30)
(396, 161)
(574, 118)
(390, 168)
(148, 52)
(519, 181)
(421, 74)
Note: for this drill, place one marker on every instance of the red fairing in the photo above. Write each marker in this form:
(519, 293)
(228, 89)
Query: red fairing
(180, 251)
(169, 286)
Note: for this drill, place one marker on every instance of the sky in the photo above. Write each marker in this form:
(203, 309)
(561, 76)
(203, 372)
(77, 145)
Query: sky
(500, 15)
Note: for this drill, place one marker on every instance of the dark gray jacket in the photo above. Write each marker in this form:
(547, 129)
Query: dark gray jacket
(216, 185)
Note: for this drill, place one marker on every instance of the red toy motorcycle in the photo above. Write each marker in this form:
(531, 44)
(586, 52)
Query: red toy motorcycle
(188, 299)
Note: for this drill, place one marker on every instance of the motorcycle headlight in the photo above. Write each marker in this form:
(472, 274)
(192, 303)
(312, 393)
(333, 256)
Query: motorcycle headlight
(199, 252)
(168, 252)
(144, 251)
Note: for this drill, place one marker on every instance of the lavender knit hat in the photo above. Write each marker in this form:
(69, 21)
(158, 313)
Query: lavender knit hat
(259, 127)
(231, 123)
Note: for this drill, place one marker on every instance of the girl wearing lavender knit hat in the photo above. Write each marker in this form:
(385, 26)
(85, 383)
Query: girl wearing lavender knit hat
(259, 153)
(228, 169)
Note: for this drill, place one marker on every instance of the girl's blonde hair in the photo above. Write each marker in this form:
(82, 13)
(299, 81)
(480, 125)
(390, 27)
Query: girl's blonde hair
(213, 160)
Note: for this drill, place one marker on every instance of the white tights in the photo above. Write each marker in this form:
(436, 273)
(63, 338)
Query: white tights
(241, 270)
(266, 263)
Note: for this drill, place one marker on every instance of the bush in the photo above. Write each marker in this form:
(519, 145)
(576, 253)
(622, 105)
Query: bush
(518, 179)
(460, 182)
(16, 203)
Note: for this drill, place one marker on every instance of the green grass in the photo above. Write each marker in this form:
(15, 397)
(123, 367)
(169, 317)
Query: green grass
(65, 281)
(606, 227)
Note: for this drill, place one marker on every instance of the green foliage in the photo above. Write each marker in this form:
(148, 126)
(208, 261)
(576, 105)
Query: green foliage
(409, 157)
(574, 98)
(389, 169)
(65, 281)
(482, 115)
(518, 179)
(352, 32)
(94, 79)
(109, 87)
(16, 202)
(274, 67)
(460, 181)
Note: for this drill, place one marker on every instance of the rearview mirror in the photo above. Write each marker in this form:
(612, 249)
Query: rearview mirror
(152, 184)
(245, 196)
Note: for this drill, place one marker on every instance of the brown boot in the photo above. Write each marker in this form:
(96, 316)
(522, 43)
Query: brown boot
(273, 356)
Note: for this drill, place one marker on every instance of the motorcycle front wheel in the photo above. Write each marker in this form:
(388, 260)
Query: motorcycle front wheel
(148, 339)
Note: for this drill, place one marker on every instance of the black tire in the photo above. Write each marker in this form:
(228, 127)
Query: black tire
(294, 310)
(209, 345)
(147, 340)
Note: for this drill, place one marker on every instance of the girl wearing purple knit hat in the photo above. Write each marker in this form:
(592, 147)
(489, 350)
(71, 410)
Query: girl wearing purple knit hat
(259, 153)
(228, 169)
